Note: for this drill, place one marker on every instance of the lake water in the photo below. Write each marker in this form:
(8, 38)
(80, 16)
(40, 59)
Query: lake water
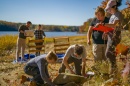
(48, 34)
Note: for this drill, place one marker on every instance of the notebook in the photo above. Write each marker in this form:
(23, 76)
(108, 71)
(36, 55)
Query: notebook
(29, 33)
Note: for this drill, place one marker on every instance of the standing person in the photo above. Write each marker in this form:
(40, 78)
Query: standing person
(37, 68)
(39, 33)
(99, 43)
(21, 41)
(77, 54)
(114, 36)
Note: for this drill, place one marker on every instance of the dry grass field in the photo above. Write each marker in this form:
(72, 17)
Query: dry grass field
(10, 74)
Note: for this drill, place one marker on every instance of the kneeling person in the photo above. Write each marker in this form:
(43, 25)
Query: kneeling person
(75, 54)
(37, 67)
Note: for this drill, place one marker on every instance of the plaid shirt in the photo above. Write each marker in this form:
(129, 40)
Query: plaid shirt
(39, 34)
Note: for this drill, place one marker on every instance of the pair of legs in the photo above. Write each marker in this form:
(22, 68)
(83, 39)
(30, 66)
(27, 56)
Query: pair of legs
(34, 72)
(39, 48)
(113, 41)
(21, 43)
(99, 52)
(77, 63)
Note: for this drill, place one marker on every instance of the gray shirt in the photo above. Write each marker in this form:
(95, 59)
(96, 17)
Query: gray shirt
(23, 28)
(70, 52)
(117, 16)
(42, 64)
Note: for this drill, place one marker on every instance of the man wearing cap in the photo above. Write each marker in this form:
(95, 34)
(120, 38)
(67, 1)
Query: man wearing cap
(21, 41)
(75, 54)
(114, 36)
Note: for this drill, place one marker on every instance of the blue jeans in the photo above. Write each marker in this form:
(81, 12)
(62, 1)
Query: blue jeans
(34, 71)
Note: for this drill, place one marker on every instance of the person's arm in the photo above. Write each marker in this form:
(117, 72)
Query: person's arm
(83, 66)
(46, 70)
(84, 55)
(42, 68)
(90, 29)
(67, 54)
(35, 32)
(44, 34)
(21, 29)
(67, 65)
(89, 34)
(112, 25)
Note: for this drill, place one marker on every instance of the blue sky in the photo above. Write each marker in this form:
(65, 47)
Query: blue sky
(49, 12)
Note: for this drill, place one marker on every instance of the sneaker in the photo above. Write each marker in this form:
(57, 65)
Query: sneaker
(23, 60)
(16, 61)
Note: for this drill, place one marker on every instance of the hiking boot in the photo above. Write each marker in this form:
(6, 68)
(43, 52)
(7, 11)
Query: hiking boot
(23, 60)
(32, 83)
(39, 84)
(23, 79)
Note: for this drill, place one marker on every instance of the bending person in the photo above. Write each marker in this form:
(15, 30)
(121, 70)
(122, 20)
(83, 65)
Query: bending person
(37, 68)
(75, 54)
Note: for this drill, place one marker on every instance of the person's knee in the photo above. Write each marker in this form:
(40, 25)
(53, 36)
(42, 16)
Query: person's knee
(26, 70)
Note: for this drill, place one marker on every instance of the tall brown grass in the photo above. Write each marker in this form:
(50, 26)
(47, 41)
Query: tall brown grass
(7, 44)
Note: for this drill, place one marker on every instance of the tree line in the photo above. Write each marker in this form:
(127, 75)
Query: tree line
(11, 26)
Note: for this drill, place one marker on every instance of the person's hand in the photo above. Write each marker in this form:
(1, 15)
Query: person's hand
(25, 34)
(21, 31)
(72, 72)
(89, 42)
(50, 79)
(104, 36)
(85, 75)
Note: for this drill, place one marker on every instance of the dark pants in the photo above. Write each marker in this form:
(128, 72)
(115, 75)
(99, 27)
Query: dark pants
(77, 63)
(113, 41)
(39, 48)
(34, 71)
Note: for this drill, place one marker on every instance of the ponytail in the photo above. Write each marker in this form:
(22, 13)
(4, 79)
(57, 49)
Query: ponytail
(119, 3)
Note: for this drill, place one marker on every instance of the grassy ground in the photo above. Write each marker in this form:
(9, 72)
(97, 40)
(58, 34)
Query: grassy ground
(10, 74)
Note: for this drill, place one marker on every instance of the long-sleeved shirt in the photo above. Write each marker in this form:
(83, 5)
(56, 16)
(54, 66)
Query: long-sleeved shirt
(39, 34)
(42, 64)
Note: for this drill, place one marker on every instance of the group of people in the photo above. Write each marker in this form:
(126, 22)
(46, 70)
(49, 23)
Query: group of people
(37, 67)
(103, 47)
(21, 41)
(104, 44)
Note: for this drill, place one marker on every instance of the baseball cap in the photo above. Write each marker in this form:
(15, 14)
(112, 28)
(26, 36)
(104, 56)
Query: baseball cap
(110, 4)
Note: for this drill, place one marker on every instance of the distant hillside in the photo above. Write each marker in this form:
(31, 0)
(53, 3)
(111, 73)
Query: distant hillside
(11, 26)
